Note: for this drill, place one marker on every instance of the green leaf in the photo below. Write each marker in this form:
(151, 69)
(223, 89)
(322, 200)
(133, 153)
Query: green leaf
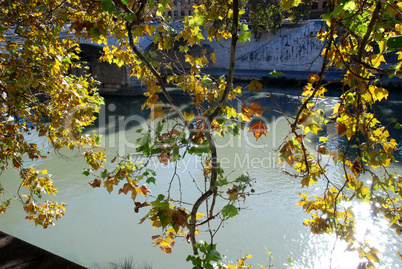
(175, 156)
(95, 32)
(229, 211)
(349, 6)
(394, 42)
(244, 37)
(208, 266)
(276, 74)
(184, 49)
(195, 21)
(199, 150)
(244, 27)
(108, 5)
(151, 180)
(214, 255)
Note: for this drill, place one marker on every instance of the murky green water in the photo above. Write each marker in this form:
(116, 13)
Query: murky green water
(99, 228)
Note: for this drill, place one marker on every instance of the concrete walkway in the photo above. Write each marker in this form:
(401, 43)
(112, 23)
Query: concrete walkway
(16, 253)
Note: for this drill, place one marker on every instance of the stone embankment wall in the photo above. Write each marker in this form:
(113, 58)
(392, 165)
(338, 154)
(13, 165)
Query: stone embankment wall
(293, 48)
(290, 48)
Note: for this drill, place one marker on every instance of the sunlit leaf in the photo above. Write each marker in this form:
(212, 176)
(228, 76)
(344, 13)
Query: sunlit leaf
(258, 128)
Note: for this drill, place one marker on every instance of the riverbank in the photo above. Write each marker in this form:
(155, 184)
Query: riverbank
(16, 253)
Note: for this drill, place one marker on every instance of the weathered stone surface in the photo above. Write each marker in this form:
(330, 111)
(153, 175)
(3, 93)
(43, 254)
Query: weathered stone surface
(17, 254)
(289, 49)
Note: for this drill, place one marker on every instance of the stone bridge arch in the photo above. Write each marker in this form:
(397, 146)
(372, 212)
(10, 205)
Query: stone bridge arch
(113, 79)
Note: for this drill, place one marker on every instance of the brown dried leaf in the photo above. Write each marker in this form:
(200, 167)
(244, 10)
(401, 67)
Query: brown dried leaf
(258, 129)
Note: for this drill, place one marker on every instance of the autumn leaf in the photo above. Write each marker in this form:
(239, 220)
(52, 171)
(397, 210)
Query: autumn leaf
(95, 183)
(341, 129)
(255, 86)
(313, 78)
(144, 190)
(188, 116)
(167, 250)
(164, 158)
(154, 237)
(108, 184)
(305, 181)
(356, 168)
(258, 128)
(147, 29)
(139, 205)
(126, 188)
(200, 215)
(255, 109)
(233, 196)
(180, 217)
(213, 58)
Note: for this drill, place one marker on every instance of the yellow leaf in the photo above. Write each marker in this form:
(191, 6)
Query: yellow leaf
(376, 60)
(147, 29)
(381, 45)
(255, 86)
(230, 112)
(200, 215)
(287, 4)
(188, 116)
(313, 78)
(213, 58)
(233, 196)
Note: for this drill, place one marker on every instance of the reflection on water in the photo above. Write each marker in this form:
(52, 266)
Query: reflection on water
(100, 228)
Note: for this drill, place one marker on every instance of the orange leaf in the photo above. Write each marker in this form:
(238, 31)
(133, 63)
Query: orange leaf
(213, 58)
(255, 109)
(313, 78)
(144, 190)
(167, 250)
(258, 129)
(244, 109)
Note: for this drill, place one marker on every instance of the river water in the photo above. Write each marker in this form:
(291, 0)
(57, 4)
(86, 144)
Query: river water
(100, 228)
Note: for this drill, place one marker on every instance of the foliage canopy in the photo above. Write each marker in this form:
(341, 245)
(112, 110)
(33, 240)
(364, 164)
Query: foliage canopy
(39, 97)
